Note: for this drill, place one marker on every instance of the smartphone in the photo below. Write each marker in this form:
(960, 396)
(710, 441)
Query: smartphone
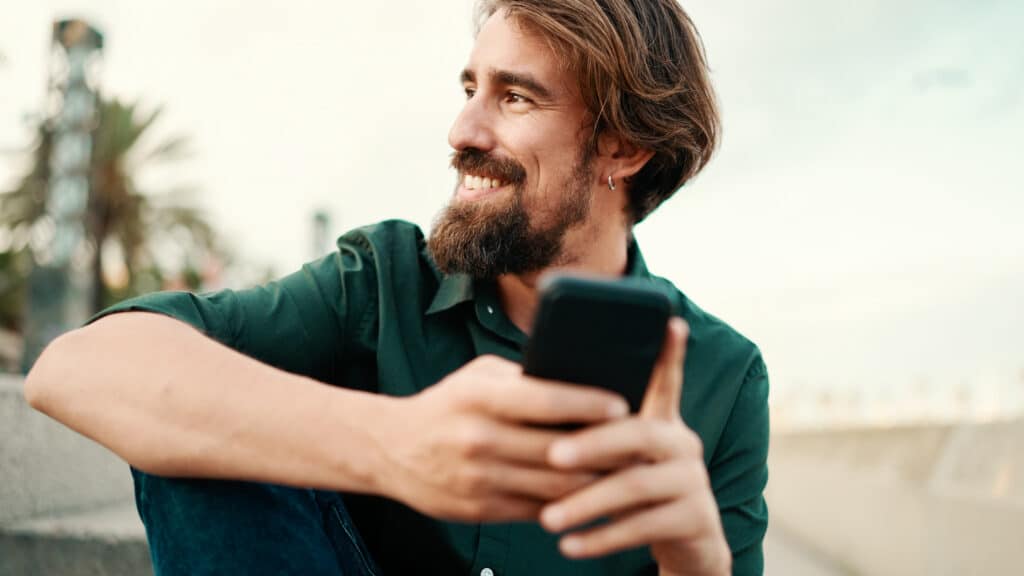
(598, 332)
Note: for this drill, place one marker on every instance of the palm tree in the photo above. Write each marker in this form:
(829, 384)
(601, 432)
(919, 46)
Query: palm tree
(122, 221)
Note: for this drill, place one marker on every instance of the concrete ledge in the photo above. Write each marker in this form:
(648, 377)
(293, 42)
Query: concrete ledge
(46, 468)
(105, 542)
(929, 500)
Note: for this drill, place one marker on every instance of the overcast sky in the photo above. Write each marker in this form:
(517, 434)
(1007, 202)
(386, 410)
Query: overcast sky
(861, 221)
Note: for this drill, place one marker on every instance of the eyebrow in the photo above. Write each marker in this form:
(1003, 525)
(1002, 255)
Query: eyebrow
(509, 78)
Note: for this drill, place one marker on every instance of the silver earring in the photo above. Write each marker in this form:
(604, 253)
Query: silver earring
(611, 183)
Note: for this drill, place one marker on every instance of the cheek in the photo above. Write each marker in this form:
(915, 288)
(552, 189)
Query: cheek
(547, 151)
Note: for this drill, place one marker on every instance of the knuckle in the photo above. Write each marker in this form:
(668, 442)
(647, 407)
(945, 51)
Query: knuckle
(699, 474)
(636, 481)
(651, 434)
(489, 509)
(472, 510)
(693, 443)
(483, 362)
(548, 402)
(476, 438)
(493, 364)
(472, 480)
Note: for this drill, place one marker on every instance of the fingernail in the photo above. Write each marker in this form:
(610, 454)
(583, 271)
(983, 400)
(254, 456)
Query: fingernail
(677, 324)
(684, 327)
(552, 517)
(572, 545)
(563, 453)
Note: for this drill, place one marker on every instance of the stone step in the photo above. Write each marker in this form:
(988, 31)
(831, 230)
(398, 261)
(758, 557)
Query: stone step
(46, 468)
(107, 541)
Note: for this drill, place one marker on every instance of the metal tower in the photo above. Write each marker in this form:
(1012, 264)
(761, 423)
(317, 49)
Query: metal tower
(60, 284)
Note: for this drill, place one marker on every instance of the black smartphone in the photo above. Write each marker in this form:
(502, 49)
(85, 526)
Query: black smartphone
(596, 332)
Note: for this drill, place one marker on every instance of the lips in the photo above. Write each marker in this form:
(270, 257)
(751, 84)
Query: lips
(481, 172)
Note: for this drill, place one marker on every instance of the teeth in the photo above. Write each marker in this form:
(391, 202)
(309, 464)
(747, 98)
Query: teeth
(476, 182)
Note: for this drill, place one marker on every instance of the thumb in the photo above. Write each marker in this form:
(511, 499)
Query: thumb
(665, 390)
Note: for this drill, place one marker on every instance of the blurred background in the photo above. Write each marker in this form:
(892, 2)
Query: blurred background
(861, 223)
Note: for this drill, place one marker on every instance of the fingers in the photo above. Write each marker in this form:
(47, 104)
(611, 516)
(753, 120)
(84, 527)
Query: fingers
(677, 519)
(496, 489)
(665, 389)
(623, 442)
(521, 444)
(502, 390)
(499, 508)
(622, 491)
(545, 485)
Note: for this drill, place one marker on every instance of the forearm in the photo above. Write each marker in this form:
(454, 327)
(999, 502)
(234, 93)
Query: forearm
(173, 402)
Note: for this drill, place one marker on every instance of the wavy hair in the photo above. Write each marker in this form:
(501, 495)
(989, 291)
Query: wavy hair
(641, 69)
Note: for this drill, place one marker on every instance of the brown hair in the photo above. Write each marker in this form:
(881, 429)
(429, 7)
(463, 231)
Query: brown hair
(642, 73)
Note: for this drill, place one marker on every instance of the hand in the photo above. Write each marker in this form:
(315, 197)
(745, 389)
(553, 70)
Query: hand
(656, 491)
(465, 449)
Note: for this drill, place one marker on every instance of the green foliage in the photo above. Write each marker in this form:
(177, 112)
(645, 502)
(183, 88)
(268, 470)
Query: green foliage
(14, 269)
(123, 222)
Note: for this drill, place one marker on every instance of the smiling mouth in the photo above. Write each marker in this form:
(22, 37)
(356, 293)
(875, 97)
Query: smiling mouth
(473, 186)
(471, 182)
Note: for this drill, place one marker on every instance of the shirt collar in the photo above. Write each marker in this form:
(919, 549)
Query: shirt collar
(455, 289)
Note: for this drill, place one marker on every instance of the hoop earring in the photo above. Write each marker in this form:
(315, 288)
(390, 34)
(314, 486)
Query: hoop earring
(611, 183)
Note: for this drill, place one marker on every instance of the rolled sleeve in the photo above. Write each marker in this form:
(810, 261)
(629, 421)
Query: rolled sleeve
(302, 323)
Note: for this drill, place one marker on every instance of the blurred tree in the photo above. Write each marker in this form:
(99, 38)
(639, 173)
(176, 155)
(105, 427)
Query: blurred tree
(14, 269)
(125, 226)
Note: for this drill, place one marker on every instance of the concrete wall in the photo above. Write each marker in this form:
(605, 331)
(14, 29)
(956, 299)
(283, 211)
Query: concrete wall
(935, 500)
(46, 468)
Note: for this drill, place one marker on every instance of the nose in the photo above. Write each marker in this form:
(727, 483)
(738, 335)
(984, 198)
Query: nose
(473, 127)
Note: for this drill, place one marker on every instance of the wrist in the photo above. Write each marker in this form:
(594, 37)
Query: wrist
(362, 461)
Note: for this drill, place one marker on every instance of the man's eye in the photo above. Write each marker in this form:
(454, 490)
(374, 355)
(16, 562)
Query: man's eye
(469, 93)
(514, 98)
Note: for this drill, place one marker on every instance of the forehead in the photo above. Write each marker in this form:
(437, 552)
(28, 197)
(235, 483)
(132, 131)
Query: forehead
(504, 44)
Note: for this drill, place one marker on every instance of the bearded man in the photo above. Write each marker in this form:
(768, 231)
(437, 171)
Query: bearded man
(368, 414)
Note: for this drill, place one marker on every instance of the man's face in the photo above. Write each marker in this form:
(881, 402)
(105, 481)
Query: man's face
(525, 174)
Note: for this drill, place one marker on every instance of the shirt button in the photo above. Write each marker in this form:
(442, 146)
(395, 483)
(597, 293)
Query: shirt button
(487, 571)
(489, 311)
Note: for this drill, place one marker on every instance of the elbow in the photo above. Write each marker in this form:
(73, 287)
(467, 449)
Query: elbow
(32, 392)
(41, 387)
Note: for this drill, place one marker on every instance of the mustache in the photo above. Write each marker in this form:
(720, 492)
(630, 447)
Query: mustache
(474, 161)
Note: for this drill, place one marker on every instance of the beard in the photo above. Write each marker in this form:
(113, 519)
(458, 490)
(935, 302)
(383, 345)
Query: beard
(494, 236)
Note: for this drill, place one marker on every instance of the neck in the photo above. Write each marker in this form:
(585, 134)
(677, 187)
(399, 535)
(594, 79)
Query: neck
(587, 250)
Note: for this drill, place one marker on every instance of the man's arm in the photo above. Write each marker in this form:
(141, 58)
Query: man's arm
(173, 402)
(227, 384)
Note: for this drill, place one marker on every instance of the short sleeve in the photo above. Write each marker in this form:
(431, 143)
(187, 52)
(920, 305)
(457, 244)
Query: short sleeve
(739, 471)
(303, 323)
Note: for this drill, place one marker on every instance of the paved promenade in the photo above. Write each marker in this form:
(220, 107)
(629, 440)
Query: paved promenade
(785, 556)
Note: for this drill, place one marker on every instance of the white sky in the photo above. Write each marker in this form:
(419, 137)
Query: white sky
(861, 221)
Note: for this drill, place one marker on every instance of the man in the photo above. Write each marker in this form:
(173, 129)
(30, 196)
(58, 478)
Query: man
(429, 451)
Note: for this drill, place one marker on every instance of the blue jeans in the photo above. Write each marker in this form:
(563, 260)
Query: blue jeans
(199, 527)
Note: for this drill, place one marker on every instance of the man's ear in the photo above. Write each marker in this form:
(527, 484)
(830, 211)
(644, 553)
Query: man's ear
(622, 158)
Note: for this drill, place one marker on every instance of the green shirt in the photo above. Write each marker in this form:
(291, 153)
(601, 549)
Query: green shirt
(377, 315)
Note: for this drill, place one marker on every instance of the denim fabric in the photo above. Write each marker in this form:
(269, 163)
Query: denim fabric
(200, 527)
